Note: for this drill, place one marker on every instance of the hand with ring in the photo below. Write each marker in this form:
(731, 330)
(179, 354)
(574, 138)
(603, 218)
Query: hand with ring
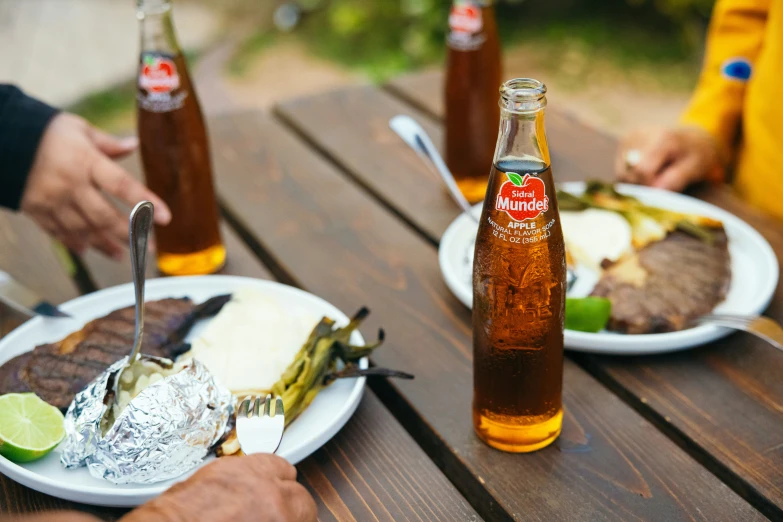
(667, 158)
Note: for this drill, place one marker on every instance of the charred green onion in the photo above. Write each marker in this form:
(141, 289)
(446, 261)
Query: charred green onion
(315, 365)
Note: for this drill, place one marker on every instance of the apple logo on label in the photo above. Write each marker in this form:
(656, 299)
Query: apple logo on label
(522, 198)
(158, 74)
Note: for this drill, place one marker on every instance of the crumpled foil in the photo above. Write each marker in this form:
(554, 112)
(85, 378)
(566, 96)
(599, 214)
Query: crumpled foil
(164, 431)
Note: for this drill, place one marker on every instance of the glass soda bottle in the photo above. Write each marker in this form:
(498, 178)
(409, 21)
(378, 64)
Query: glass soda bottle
(472, 79)
(519, 284)
(175, 150)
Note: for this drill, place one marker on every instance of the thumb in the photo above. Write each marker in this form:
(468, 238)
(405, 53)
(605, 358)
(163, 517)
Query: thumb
(111, 146)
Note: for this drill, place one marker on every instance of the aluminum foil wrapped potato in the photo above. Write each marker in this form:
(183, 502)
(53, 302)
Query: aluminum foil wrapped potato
(168, 418)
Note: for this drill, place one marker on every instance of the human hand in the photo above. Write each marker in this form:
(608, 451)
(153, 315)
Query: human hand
(667, 158)
(67, 188)
(251, 488)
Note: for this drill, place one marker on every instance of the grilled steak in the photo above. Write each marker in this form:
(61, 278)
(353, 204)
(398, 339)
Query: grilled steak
(664, 285)
(57, 371)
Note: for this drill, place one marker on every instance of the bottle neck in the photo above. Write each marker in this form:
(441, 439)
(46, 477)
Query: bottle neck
(157, 28)
(522, 134)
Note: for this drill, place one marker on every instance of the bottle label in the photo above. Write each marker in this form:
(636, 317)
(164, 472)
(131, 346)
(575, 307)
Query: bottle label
(522, 198)
(465, 24)
(158, 81)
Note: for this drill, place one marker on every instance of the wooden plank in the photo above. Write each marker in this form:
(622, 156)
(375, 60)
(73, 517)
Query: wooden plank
(711, 425)
(29, 256)
(16, 499)
(385, 166)
(578, 150)
(372, 469)
(727, 401)
(609, 464)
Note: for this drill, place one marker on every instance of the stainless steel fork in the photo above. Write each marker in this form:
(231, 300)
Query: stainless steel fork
(258, 431)
(760, 326)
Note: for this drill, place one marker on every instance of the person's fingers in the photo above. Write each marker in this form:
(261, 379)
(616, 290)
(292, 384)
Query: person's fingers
(299, 501)
(101, 239)
(63, 221)
(102, 215)
(276, 466)
(621, 170)
(653, 158)
(45, 221)
(81, 231)
(110, 145)
(678, 175)
(631, 142)
(116, 181)
(627, 172)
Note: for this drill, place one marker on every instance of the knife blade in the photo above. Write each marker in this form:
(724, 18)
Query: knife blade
(22, 299)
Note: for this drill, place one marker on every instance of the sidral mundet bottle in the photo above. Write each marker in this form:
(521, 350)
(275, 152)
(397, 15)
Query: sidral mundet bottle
(175, 150)
(519, 284)
(472, 79)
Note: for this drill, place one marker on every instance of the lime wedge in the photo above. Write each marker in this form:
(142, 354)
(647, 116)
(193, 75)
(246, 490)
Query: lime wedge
(29, 428)
(587, 314)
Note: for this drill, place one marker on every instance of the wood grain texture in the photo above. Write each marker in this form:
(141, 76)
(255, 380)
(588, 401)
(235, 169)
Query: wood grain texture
(373, 470)
(727, 408)
(29, 256)
(610, 464)
(16, 499)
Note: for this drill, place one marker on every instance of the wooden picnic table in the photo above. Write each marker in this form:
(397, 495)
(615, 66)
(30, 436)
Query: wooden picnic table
(322, 195)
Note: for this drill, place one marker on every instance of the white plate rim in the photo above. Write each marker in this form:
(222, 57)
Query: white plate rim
(117, 496)
(620, 344)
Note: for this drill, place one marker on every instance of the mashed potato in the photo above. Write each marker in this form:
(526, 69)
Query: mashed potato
(251, 342)
(593, 235)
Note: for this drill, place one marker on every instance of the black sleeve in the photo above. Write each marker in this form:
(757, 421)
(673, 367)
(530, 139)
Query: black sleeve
(22, 123)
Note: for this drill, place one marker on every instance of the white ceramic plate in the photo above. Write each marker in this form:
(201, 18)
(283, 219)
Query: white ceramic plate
(754, 275)
(330, 410)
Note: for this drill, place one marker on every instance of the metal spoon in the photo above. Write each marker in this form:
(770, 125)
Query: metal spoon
(411, 132)
(139, 232)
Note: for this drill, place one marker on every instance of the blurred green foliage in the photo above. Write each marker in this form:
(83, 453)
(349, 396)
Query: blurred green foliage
(386, 37)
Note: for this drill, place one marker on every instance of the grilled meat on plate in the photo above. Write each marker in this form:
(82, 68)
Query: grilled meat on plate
(58, 371)
(666, 284)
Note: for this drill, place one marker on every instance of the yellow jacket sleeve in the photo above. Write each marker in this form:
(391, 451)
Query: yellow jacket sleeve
(735, 37)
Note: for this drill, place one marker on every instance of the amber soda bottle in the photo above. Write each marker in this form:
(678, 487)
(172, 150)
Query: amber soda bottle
(472, 79)
(175, 150)
(519, 284)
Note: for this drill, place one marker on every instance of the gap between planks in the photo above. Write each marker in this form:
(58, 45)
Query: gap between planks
(469, 486)
(431, 442)
(335, 161)
(696, 451)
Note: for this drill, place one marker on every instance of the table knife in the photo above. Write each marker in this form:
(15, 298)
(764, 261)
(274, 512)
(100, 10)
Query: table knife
(24, 300)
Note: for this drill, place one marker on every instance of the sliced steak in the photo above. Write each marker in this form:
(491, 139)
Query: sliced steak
(57, 371)
(666, 284)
